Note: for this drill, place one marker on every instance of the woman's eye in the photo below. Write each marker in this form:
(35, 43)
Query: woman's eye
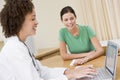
(65, 20)
(71, 18)
(33, 19)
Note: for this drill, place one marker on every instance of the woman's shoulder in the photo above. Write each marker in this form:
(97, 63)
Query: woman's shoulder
(83, 26)
(62, 30)
(13, 46)
(13, 43)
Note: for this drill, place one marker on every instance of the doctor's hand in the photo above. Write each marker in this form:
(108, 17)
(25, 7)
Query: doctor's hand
(81, 72)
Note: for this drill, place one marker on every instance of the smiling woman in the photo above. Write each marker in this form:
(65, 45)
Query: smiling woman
(28, 27)
(80, 40)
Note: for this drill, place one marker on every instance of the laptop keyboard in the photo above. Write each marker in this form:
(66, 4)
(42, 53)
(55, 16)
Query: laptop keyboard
(102, 74)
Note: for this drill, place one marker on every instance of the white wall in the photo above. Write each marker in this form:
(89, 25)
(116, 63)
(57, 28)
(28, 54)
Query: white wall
(48, 17)
(1, 6)
(49, 20)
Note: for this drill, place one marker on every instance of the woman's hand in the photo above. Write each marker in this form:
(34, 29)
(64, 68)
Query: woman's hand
(81, 61)
(84, 59)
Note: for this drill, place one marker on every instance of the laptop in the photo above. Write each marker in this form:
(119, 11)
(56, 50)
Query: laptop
(109, 71)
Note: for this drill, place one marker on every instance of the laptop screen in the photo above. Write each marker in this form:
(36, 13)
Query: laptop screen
(111, 55)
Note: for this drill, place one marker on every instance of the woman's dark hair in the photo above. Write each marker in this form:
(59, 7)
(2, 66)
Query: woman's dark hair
(66, 10)
(13, 15)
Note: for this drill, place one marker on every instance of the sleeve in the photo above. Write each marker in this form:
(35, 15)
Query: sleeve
(22, 66)
(23, 69)
(5, 74)
(91, 32)
(61, 35)
(52, 73)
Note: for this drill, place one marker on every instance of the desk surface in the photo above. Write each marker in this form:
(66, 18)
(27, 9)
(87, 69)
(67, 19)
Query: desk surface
(45, 52)
(57, 61)
(1, 44)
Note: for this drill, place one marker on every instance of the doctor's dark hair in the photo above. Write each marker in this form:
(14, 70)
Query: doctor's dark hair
(13, 15)
(66, 10)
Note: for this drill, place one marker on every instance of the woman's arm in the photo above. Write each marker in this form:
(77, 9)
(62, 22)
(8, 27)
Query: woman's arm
(67, 56)
(93, 54)
(99, 50)
(84, 57)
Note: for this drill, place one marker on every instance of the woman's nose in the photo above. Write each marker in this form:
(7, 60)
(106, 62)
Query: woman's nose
(69, 21)
(36, 22)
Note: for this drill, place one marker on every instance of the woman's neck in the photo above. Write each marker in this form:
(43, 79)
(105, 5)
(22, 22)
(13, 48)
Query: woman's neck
(22, 38)
(75, 31)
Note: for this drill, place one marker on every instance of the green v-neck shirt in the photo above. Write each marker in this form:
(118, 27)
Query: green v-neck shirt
(80, 43)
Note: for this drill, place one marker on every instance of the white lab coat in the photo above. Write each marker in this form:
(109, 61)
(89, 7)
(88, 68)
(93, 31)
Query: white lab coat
(16, 64)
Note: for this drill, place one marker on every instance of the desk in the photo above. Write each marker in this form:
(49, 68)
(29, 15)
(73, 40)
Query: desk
(46, 53)
(1, 44)
(57, 61)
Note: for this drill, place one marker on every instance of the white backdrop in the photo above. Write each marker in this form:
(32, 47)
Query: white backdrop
(48, 17)
(1, 6)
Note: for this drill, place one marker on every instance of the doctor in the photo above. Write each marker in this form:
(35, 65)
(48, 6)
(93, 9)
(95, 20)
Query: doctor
(18, 20)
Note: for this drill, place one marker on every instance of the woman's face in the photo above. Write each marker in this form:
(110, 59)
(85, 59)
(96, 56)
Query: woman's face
(30, 24)
(69, 20)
